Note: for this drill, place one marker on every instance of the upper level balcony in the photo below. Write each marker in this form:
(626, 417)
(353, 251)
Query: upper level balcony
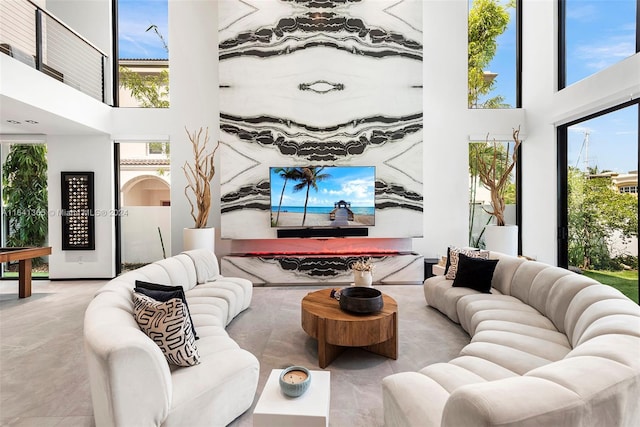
(35, 37)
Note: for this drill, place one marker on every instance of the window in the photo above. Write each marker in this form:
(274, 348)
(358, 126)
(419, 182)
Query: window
(595, 34)
(493, 38)
(143, 53)
(598, 202)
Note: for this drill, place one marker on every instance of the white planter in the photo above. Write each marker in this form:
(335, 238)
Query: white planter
(199, 238)
(362, 278)
(502, 239)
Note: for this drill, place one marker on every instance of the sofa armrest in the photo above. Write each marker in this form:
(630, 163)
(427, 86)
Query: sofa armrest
(524, 401)
(129, 376)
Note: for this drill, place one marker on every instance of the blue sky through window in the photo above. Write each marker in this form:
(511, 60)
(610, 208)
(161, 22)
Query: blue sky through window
(134, 17)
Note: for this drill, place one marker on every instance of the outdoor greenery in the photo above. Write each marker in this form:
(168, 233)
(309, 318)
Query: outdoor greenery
(625, 281)
(488, 19)
(24, 194)
(598, 214)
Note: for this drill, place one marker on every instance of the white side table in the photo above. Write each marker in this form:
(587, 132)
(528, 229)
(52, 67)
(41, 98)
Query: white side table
(274, 408)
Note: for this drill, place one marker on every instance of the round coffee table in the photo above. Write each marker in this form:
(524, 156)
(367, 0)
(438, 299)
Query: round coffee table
(335, 329)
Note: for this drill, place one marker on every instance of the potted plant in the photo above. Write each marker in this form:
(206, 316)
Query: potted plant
(363, 272)
(198, 190)
(495, 172)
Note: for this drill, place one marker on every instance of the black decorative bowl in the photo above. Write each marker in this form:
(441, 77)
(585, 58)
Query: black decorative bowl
(357, 299)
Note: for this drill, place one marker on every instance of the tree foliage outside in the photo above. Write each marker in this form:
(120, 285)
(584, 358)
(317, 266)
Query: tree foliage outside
(598, 214)
(25, 194)
(488, 19)
(150, 90)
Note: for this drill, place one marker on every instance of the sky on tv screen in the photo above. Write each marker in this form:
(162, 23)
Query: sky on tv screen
(351, 184)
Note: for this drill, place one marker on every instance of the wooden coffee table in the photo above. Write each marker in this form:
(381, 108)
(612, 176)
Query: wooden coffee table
(335, 329)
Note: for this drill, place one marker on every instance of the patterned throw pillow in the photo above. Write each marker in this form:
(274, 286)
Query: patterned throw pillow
(169, 326)
(454, 258)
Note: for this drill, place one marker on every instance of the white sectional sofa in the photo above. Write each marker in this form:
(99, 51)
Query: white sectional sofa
(132, 384)
(548, 348)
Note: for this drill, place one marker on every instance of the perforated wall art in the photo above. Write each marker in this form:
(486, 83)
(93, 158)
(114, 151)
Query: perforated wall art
(78, 221)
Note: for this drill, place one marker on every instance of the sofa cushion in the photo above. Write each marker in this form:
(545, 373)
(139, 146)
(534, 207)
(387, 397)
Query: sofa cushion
(475, 273)
(440, 295)
(164, 293)
(453, 259)
(168, 325)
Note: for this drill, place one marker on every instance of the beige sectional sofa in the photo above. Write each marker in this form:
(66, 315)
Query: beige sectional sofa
(548, 348)
(132, 384)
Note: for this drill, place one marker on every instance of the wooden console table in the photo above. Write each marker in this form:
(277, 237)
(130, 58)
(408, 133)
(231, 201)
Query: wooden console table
(24, 257)
(335, 329)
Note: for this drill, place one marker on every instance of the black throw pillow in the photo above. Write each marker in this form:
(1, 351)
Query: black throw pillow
(164, 293)
(475, 273)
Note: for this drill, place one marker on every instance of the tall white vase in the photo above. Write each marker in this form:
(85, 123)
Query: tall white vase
(502, 239)
(199, 238)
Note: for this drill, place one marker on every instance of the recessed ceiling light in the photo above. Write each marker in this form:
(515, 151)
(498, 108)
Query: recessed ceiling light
(13, 122)
(33, 122)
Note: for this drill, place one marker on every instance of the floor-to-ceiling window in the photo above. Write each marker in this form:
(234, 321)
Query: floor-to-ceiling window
(24, 196)
(145, 203)
(599, 196)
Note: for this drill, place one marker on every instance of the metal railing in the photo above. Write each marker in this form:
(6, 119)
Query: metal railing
(33, 36)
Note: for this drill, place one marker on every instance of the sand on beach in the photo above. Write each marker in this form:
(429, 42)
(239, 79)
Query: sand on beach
(290, 219)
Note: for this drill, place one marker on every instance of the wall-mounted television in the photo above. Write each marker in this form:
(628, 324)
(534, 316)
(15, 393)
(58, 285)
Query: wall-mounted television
(322, 196)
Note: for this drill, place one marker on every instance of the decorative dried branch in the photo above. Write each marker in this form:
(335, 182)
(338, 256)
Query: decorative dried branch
(199, 177)
(496, 180)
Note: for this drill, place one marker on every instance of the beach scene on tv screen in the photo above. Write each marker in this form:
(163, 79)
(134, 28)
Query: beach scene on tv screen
(322, 196)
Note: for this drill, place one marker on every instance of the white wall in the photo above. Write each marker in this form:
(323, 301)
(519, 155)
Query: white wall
(82, 154)
(193, 37)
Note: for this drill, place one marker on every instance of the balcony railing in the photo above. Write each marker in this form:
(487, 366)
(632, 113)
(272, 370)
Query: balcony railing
(35, 37)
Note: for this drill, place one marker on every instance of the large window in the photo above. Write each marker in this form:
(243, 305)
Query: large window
(595, 34)
(24, 196)
(143, 53)
(598, 172)
(493, 54)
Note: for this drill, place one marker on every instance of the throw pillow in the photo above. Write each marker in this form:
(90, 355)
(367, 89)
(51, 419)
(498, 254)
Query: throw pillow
(475, 273)
(453, 259)
(164, 293)
(169, 326)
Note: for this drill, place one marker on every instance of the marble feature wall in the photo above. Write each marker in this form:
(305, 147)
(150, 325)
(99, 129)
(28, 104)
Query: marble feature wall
(319, 83)
(278, 270)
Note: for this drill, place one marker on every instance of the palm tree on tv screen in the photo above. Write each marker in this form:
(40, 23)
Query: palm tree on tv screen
(286, 174)
(309, 178)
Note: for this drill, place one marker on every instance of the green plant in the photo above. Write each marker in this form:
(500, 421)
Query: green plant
(24, 194)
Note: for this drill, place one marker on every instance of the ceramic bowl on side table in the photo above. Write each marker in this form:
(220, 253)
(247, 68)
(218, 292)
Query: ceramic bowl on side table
(295, 380)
